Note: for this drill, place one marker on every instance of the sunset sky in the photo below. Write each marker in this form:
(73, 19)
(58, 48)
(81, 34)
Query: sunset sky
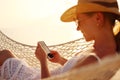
(29, 21)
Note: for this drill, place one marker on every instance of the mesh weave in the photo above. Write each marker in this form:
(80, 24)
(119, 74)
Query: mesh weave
(26, 52)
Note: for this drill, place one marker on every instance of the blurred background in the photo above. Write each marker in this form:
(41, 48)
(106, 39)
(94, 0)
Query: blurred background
(30, 21)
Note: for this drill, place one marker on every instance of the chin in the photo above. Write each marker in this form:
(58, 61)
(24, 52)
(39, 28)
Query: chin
(88, 39)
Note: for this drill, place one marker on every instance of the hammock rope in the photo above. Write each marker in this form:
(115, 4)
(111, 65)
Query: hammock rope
(26, 52)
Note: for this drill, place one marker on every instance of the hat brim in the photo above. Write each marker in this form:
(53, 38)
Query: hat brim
(71, 13)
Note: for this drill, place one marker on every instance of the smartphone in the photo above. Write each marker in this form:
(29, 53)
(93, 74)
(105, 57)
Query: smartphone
(46, 49)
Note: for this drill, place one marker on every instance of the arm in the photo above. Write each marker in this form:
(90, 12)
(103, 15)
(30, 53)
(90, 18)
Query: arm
(44, 70)
(62, 61)
(4, 55)
(41, 56)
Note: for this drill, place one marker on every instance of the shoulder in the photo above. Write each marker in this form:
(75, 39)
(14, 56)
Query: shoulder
(86, 61)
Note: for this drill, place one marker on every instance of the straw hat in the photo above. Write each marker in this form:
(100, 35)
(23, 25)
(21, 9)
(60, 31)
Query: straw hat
(85, 6)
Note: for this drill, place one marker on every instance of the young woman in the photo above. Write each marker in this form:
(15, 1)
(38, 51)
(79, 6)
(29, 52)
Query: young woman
(96, 20)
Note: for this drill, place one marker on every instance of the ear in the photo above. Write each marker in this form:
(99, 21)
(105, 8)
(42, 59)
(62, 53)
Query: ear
(100, 19)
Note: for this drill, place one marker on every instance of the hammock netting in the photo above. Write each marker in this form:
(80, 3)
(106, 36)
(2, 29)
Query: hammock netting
(26, 52)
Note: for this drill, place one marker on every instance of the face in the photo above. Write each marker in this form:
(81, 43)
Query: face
(87, 25)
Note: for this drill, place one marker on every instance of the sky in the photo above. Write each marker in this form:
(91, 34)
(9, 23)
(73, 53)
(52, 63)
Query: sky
(30, 21)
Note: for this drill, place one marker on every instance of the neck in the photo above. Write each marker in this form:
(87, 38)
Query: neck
(105, 47)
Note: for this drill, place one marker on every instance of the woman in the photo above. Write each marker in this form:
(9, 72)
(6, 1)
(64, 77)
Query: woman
(96, 20)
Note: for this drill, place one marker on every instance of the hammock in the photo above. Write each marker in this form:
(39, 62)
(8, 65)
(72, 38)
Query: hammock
(26, 52)
(103, 71)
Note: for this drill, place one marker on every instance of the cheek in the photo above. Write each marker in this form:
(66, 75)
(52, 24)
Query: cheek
(90, 27)
(88, 32)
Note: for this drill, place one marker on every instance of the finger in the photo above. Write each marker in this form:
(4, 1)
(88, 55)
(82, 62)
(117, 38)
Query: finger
(53, 52)
(51, 59)
(36, 50)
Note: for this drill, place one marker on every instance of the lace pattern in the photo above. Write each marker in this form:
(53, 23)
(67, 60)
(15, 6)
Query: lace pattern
(15, 69)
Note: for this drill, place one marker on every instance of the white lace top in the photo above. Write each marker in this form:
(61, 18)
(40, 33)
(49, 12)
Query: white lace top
(16, 69)
(72, 62)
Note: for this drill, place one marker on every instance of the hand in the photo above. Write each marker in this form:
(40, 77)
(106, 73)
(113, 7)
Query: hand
(56, 57)
(40, 54)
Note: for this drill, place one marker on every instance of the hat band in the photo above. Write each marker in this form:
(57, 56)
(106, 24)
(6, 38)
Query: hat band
(106, 4)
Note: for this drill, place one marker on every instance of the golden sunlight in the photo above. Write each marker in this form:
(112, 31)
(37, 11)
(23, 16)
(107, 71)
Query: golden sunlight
(26, 21)
(40, 8)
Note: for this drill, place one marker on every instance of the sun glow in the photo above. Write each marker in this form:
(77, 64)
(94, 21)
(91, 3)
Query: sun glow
(40, 8)
(26, 21)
